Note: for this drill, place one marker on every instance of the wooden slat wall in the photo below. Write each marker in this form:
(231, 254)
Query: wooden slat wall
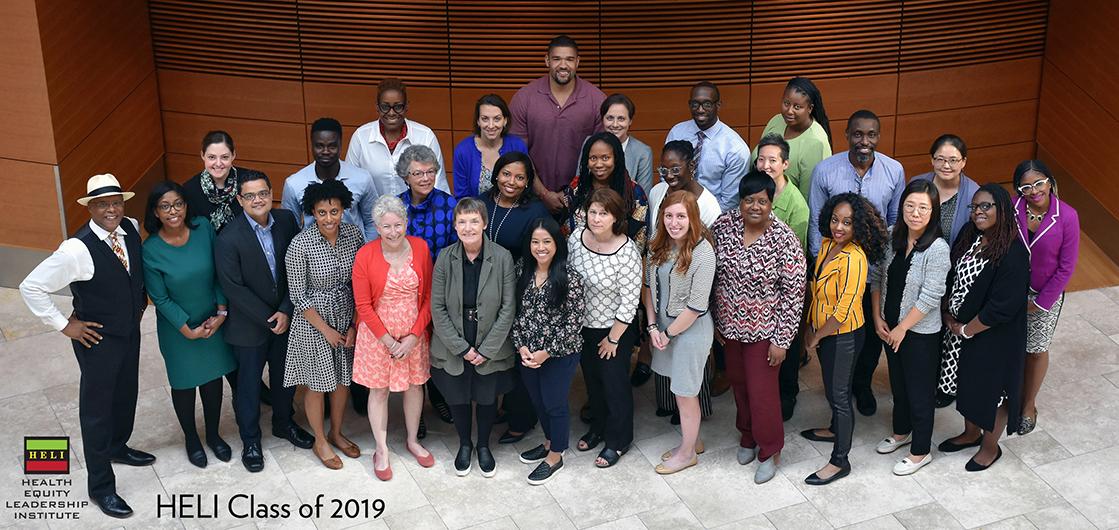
(1078, 113)
(925, 66)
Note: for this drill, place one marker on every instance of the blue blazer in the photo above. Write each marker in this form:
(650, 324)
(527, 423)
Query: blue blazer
(967, 190)
(467, 165)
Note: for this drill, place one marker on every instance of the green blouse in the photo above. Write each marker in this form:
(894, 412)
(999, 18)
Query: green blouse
(792, 209)
(805, 151)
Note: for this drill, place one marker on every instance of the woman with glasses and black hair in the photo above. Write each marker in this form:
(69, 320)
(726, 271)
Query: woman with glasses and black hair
(906, 290)
(985, 313)
(1051, 230)
(180, 279)
(804, 124)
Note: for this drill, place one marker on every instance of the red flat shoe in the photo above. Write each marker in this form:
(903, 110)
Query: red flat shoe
(424, 461)
(385, 474)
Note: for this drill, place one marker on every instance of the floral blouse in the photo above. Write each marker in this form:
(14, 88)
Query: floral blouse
(539, 326)
(759, 289)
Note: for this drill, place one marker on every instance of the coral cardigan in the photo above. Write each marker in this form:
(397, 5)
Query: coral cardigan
(370, 273)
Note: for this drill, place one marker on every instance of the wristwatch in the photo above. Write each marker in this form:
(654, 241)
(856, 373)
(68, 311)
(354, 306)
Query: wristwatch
(222, 313)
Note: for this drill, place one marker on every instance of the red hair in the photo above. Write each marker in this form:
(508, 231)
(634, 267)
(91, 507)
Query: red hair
(661, 246)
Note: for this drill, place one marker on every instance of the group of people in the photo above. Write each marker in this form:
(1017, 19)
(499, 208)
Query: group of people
(555, 250)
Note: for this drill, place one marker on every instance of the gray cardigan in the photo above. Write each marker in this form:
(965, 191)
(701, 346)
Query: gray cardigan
(496, 307)
(924, 285)
(690, 290)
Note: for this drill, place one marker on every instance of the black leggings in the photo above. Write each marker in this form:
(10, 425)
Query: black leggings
(485, 415)
(183, 401)
(837, 362)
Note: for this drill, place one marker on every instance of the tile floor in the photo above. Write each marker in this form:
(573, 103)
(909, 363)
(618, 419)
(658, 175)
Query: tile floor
(1057, 477)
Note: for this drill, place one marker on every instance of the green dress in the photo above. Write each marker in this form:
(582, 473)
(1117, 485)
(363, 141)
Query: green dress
(805, 151)
(184, 289)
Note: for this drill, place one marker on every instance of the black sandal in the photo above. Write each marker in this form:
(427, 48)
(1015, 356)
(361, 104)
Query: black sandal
(611, 456)
(591, 440)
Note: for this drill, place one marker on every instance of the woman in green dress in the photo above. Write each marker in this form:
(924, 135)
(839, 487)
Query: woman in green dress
(179, 274)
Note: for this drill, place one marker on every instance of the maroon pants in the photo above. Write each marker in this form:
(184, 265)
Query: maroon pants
(757, 397)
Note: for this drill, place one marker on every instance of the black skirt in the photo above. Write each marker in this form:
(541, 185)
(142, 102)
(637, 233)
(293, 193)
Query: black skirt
(472, 386)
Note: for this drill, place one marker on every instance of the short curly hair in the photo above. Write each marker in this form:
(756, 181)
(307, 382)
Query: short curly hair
(870, 229)
(317, 192)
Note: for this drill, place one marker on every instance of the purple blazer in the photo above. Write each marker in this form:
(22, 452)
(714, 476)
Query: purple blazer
(1053, 251)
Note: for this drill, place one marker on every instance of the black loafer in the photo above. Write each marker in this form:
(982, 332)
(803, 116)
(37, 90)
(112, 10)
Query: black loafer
(543, 472)
(421, 432)
(948, 446)
(974, 466)
(113, 506)
(663, 413)
(534, 455)
(252, 457)
(463, 462)
(641, 374)
(509, 438)
(296, 435)
(197, 457)
(787, 407)
(133, 457)
(675, 419)
(811, 435)
(221, 449)
(865, 403)
(815, 480)
(486, 464)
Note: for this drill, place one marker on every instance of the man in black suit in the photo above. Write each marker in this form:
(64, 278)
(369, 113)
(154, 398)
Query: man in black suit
(249, 258)
(103, 265)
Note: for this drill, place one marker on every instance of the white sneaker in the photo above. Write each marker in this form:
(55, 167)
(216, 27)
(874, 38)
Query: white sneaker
(890, 444)
(909, 467)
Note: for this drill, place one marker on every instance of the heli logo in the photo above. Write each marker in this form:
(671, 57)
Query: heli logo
(43, 455)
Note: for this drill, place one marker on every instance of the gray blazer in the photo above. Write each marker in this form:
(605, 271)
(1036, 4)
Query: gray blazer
(496, 310)
(690, 290)
(924, 285)
(639, 163)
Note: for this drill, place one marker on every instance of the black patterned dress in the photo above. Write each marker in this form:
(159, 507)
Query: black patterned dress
(320, 276)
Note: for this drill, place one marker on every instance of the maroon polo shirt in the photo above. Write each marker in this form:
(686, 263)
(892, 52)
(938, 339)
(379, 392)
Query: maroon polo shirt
(554, 133)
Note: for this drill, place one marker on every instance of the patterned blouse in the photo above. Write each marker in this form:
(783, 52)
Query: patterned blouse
(636, 228)
(612, 282)
(553, 329)
(759, 289)
(432, 220)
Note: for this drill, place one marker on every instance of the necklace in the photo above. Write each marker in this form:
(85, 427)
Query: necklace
(494, 233)
(1034, 217)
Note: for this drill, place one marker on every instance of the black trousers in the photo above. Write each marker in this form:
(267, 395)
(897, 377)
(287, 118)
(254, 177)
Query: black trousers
(913, 378)
(870, 352)
(107, 404)
(788, 378)
(607, 380)
(517, 404)
(550, 387)
(250, 367)
(837, 362)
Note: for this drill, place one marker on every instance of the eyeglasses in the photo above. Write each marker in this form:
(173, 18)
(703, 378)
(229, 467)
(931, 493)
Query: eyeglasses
(105, 205)
(168, 206)
(940, 161)
(707, 105)
(262, 194)
(424, 173)
(982, 206)
(921, 210)
(397, 107)
(1026, 188)
(664, 172)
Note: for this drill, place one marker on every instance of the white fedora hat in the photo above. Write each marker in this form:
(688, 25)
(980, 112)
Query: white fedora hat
(102, 185)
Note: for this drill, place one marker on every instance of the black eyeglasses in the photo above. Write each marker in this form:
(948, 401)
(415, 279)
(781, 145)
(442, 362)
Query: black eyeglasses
(263, 194)
(982, 206)
(397, 107)
(168, 206)
(707, 105)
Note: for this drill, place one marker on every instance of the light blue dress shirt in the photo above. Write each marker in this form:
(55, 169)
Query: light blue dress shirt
(882, 186)
(357, 180)
(264, 236)
(723, 160)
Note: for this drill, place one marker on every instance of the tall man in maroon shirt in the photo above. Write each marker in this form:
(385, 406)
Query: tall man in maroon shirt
(554, 115)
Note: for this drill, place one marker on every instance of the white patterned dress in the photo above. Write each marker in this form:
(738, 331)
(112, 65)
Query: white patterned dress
(320, 276)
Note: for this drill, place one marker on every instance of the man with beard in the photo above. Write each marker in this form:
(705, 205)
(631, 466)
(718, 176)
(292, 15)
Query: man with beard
(554, 114)
(880, 180)
(722, 157)
(326, 146)
(102, 264)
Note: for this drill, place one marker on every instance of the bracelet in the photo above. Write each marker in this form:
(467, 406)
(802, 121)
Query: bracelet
(222, 313)
(651, 328)
(963, 332)
(669, 335)
(611, 341)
